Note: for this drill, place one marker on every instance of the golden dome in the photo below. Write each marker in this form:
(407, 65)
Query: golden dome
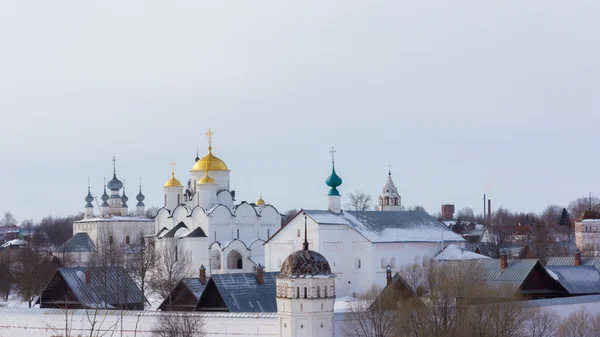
(209, 162)
(260, 201)
(172, 182)
(206, 179)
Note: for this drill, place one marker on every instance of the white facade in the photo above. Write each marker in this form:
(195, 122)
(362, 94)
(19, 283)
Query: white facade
(123, 229)
(389, 199)
(202, 217)
(587, 235)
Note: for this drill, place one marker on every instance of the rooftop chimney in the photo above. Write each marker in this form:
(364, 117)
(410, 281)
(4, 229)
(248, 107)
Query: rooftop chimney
(202, 274)
(388, 274)
(503, 261)
(578, 258)
(489, 212)
(88, 277)
(260, 274)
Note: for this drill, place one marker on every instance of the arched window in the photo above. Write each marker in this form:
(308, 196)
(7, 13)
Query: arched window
(305, 292)
(110, 240)
(298, 232)
(297, 292)
(238, 233)
(358, 264)
(383, 263)
(396, 201)
(318, 291)
(165, 200)
(380, 201)
(393, 262)
(417, 260)
(142, 240)
(325, 291)
(234, 260)
(178, 201)
(127, 240)
(387, 201)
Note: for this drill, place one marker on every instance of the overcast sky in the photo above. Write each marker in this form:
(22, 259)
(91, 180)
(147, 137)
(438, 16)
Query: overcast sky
(461, 98)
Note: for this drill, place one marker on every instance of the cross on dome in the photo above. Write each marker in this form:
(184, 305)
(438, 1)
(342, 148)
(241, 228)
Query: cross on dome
(172, 167)
(332, 154)
(209, 134)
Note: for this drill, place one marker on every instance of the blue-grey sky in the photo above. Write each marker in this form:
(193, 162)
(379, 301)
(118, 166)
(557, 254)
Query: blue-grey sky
(459, 97)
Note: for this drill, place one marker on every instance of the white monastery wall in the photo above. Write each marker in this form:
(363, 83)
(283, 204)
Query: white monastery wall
(51, 323)
(119, 229)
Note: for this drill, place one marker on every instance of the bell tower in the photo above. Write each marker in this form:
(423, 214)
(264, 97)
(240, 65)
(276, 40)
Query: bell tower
(389, 199)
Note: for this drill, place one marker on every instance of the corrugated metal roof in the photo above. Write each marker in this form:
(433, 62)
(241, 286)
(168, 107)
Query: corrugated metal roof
(242, 293)
(564, 301)
(512, 277)
(489, 249)
(38, 311)
(119, 288)
(400, 226)
(577, 279)
(570, 261)
(80, 242)
(194, 286)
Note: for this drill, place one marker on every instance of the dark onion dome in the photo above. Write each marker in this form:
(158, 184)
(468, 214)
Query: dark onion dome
(140, 197)
(88, 197)
(124, 198)
(305, 263)
(104, 196)
(114, 183)
(590, 214)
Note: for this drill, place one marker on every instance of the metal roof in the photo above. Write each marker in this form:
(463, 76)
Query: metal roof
(194, 286)
(80, 242)
(564, 301)
(119, 288)
(570, 261)
(242, 293)
(398, 226)
(577, 279)
(196, 233)
(512, 277)
(489, 249)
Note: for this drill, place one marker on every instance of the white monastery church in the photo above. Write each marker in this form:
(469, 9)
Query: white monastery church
(361, 245)
(204, 219)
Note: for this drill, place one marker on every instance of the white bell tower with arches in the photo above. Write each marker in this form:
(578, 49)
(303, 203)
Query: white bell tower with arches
(389, 199)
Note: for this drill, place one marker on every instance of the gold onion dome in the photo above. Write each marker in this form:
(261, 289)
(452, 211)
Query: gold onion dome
(206, 179)
(172, 182)
(260, 201)
(209, 162)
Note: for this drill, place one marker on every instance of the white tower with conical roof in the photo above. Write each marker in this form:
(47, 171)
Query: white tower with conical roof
(305, 294)
(389, 199)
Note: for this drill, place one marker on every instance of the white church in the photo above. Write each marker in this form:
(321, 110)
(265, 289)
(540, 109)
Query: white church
(204, 219)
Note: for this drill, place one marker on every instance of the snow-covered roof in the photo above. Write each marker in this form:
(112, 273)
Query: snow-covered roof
(80, 242)
(15, 242)
(390, 226)
(117, 219)
(577, 279)
(455, 253)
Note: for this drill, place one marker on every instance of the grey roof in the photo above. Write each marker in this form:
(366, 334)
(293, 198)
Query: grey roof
(119, 287)
(550, 302)
(578, 280)
(470, 246)
(171, 233)
(570, 261)
(196, 233)
(510, 278)
(489, 249)
(305, 264)
(399, 226)
(557, 248)
(242, 293)
(78, 243)
(194, 286)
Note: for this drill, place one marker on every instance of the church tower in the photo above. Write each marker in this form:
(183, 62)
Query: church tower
(334, 181)
(140, 207)
(305, 294)
(115, 186)
(389, 199)
(89, 208)
(206, 190)
(173, 191)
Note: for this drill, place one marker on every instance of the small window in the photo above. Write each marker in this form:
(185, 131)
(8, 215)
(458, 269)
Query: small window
(325, 291)
(268, 233)
(383, 263)
(358, 264)
(142, 240)
(301, 310)
(238, 233)
(298, 232)
(127, 240)
(393, 262)
(305, 292)
(110, 240)
(319, 292)
(297, 292)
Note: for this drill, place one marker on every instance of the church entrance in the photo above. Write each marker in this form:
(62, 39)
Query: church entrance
(234, 260)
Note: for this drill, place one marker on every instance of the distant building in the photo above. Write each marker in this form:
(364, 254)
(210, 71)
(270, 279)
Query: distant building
(587, 232)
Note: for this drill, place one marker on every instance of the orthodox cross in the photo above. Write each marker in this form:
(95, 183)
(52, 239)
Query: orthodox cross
(209, 134)
(590, 200)
(332, 154)
(389, 170)
(114, 164)
(173, 167)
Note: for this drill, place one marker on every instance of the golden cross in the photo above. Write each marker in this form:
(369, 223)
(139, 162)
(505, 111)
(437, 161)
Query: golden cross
(209, 134)
(173, 167)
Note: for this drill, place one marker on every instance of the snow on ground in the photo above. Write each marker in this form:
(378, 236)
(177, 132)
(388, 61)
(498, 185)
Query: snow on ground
(455, 253)
(14, 301)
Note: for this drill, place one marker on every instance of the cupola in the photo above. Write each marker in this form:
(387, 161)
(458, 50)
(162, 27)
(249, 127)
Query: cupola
(209, 162)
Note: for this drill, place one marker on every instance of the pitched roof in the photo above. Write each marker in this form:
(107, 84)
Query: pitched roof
(119, 287)
(489, 249)
(80, 242)
(578, 280)
(399, 226)
(196, 233)
(194, 285)
(570, 261)
(171, 233)
(512, 277)
(241, 292)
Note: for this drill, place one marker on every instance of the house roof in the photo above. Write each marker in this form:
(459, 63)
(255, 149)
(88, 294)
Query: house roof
(119, 287)
(80, 242)
(194, 285)
(570, 261)
(512, 277)
(455, 253)
(578, 280)
(557, 248)
(489, 249)
(399, 226)
(242, 293)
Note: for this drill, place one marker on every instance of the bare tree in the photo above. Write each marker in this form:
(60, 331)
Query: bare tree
(289, 215)
(141, 261)
(172, 265)
(551, 215)
(151, 212)
(466, 214)
(366, 318)
(417, 208)
(580, 205)
(108, 253)
(179, 325)
(541, 241)
(6, 277)
(580, 324)
(358, 201)
(58, 229)
(8, 220)
(543, 323)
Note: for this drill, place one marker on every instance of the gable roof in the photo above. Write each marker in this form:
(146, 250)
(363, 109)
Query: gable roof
(578, 280)
(241, 292)
(171, 233)
(119, 288)
(80, 242)
(193, 284)
(398, 226)
(512, 277)
(570, 261)
(196, 233)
